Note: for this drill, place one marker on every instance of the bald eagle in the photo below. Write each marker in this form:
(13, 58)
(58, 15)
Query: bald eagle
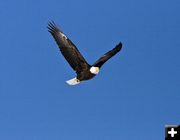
(75, 59)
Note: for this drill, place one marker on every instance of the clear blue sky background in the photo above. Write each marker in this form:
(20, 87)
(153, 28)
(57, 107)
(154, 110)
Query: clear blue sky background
(136, 93)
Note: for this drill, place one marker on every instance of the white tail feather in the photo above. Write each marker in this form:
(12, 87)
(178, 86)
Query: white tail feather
(73, 81)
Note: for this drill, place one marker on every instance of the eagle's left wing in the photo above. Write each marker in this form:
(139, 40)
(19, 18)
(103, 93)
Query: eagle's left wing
(68, 49)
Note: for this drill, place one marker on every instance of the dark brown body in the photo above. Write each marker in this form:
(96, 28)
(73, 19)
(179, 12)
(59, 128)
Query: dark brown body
(85, 75)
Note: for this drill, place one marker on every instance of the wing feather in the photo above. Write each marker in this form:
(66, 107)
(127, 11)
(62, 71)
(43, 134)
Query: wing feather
(68, 49)
(108, 55)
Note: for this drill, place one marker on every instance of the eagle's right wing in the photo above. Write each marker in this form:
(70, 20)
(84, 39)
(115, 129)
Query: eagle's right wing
(68, 49)
(108, 55)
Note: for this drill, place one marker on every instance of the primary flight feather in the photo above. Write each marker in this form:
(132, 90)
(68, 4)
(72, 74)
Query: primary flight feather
(75, 59)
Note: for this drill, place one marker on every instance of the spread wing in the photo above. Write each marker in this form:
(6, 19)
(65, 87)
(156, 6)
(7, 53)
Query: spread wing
(68, 49)
(107, 55)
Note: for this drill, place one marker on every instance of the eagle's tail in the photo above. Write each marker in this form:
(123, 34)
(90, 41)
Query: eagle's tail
(73, 81)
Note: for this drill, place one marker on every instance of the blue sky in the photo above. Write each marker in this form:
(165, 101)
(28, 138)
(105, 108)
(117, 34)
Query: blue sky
(134, 96)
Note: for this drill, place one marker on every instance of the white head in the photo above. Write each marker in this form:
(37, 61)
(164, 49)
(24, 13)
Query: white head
(94, 70)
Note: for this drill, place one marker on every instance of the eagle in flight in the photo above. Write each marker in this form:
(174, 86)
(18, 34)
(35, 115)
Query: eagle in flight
(75, 59)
